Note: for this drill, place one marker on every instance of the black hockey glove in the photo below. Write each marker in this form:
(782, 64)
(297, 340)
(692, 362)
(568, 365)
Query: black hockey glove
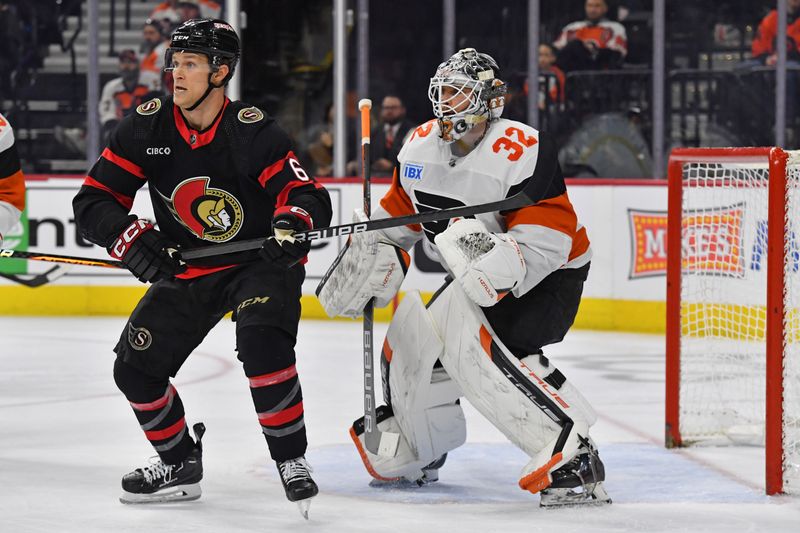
(282, 249)
(147, 253)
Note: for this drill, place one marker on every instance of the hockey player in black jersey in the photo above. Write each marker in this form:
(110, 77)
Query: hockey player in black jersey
(217, 171)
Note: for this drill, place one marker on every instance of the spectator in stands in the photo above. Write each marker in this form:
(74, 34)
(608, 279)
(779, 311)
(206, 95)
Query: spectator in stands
(153, 46)
(121, 95)
(172, 10)
(320, 146)
(10, 45)
(189, 11)
(594, 43)
(553, 76)
(387, 139)
(764, 47)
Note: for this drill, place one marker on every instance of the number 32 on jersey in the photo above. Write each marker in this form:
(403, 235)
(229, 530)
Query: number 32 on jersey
(514, 143)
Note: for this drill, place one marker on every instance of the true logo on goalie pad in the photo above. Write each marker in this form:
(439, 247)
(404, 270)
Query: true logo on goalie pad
(140, 339)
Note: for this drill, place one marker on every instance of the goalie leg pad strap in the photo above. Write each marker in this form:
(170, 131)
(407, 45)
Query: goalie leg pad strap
(527, 400)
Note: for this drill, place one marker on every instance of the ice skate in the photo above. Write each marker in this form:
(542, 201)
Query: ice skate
(577, 483)
(430, 473)
(297, 482)
(159, 482)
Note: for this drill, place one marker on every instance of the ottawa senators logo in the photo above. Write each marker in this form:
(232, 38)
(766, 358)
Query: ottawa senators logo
(210, 214)
(140, 339)
(149, 107)
(250, 115)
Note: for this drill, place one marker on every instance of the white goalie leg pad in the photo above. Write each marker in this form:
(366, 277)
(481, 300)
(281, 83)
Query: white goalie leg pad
(429, 421)
(367, 267)
(487, 265)
(527, 400)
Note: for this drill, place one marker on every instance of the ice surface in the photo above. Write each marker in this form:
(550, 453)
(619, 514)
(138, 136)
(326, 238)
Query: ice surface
(67, 436)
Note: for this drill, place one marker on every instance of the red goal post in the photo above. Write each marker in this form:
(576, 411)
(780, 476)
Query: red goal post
(719, 330)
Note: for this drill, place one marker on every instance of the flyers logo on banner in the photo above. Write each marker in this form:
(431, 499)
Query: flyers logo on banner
(648, 243)
(713, 241)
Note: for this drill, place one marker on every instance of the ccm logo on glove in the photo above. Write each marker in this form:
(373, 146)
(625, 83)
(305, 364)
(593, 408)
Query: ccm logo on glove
(131, 233)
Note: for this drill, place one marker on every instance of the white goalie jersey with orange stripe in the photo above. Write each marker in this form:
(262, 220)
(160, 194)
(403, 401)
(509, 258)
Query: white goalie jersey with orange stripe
(12, 182)
(511, 157)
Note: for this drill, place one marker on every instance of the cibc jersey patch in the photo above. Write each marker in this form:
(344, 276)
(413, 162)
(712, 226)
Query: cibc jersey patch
(218, 185)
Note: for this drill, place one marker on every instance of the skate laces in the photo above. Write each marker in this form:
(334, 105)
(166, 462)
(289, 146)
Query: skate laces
(157, 469)
(295, 469)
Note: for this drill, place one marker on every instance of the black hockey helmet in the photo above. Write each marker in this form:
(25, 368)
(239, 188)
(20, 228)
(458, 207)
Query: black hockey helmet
(214, 38)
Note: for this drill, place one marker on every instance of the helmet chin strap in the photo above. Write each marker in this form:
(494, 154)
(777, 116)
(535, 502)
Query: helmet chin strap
(210, 88)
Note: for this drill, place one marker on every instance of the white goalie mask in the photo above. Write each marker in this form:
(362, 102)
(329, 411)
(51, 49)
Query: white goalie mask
(465, 91)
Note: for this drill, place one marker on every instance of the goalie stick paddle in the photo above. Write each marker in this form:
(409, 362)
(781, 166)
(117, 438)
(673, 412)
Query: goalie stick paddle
(55, 258)
(521, 199)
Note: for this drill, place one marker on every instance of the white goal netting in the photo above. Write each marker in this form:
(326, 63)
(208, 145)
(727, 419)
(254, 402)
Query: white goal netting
(723, 308)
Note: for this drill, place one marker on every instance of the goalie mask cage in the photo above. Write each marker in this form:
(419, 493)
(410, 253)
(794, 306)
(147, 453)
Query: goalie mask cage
(733, 292)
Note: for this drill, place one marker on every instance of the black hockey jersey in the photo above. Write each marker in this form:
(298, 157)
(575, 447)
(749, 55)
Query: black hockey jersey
(217, 185)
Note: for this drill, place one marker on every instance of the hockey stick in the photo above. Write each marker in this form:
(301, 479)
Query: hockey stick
(376, 441)
(39, 279)
(54, 258)
(521, 199)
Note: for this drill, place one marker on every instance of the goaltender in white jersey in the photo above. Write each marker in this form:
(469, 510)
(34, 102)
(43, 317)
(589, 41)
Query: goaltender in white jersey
(514, 285)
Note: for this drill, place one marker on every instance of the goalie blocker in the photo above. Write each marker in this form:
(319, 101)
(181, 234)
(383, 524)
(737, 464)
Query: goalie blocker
(367, 267)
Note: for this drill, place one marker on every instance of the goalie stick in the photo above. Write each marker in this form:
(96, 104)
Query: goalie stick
(375, 440)
(38, 280)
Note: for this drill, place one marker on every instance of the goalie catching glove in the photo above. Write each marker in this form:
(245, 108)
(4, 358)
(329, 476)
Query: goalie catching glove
(147, 253)
(486, 265)
(367, 267)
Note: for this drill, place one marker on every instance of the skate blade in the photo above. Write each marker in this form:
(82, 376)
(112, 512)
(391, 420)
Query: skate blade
(179, 493)
(303, 506)
(594, 496)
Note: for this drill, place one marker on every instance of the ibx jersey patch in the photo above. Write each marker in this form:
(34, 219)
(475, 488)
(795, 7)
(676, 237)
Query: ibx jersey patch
(210, 214)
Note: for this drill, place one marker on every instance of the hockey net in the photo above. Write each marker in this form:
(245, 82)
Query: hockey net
(733, 325)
